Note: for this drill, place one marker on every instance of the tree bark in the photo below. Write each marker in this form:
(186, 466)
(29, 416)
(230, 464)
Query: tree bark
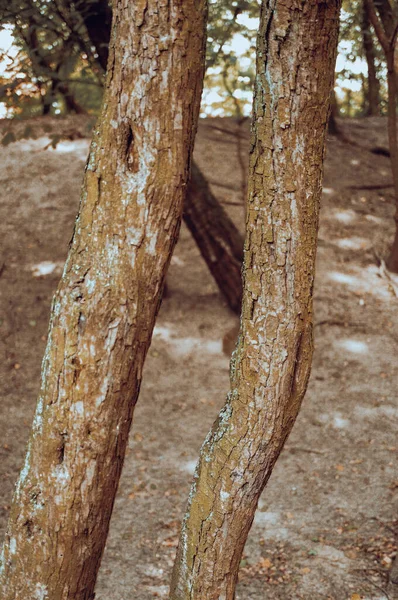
(373, 84)
(218, 240)
(271, 364)
(105, 306)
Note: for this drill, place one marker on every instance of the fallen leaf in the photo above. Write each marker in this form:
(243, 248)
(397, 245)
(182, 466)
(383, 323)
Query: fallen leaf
(265, 563)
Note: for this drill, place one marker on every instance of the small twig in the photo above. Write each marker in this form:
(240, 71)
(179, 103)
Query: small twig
(233, 133)
(309, 450)
(224, 185)
(230, 203)
(370, 187)
(383, 591)
(329, 322)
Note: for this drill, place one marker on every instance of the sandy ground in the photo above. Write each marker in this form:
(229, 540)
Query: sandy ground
(325, 524)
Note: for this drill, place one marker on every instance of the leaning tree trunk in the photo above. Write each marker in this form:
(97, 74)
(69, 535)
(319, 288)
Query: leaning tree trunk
(215, 234)
(218, 240)
(271, 364)
(105, 306)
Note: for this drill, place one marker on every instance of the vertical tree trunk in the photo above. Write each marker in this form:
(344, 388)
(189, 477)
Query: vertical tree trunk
(271, 364)
(97, 17)
(71, 103)
(105, 306)
(392, 261)
(333, 128)
(218, 240)
(386, 29)
(373, 84)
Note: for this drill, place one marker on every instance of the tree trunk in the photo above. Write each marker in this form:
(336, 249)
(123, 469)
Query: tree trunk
(373, 84)
(71, 103)
(271, 364)
(105, 306)
(215, 234)
(386, 30)
(219, 241)
(333, 128)
(97, 17)
(392, 261)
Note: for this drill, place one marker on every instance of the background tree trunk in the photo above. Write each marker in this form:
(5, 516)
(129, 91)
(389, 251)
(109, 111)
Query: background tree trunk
(386, 29)
(105, 306)
(373, 84)
(219, 241)
(333, 128)
(271, 364)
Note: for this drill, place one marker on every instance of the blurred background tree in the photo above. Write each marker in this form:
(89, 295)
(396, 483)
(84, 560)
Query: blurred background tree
(53, 58)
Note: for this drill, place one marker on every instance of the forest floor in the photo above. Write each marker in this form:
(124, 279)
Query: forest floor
(325, 524)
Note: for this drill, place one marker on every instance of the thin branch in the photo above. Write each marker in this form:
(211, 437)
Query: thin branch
(377, 26)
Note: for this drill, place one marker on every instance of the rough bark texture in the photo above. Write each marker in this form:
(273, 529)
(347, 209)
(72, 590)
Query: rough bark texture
(271, 364)
(373, 84)
(219, 241)
(105, 306)
(215, 234)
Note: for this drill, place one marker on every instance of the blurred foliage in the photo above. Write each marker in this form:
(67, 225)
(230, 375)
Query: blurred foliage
(351, 68)
(59, 51)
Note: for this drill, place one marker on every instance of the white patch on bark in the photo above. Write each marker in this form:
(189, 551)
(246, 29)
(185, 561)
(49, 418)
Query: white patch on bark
(61, 474)
(103, 391)
(224, 496)
(41, 592)
(13, 546)
(90, 284)
(78, 408)
(25, 472)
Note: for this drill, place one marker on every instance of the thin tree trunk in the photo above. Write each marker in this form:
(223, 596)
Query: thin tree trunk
(373, 84)
(105, 306)
(333, 128)
(71, 103)
(392, 261)
(386, 30)
(97, 17)
(219, 241)
(271, 364)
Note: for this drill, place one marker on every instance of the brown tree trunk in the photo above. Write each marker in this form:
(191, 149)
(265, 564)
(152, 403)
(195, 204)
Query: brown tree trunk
(386, 29)
(373, 84)
(215, 234)
(97, 17)
(333, 128)
(71, 103)
(392, 261)
(219, 241)
(105, 306)
(271, 364)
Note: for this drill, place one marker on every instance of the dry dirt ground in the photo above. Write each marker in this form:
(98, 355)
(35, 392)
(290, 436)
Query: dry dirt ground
(325, 525)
